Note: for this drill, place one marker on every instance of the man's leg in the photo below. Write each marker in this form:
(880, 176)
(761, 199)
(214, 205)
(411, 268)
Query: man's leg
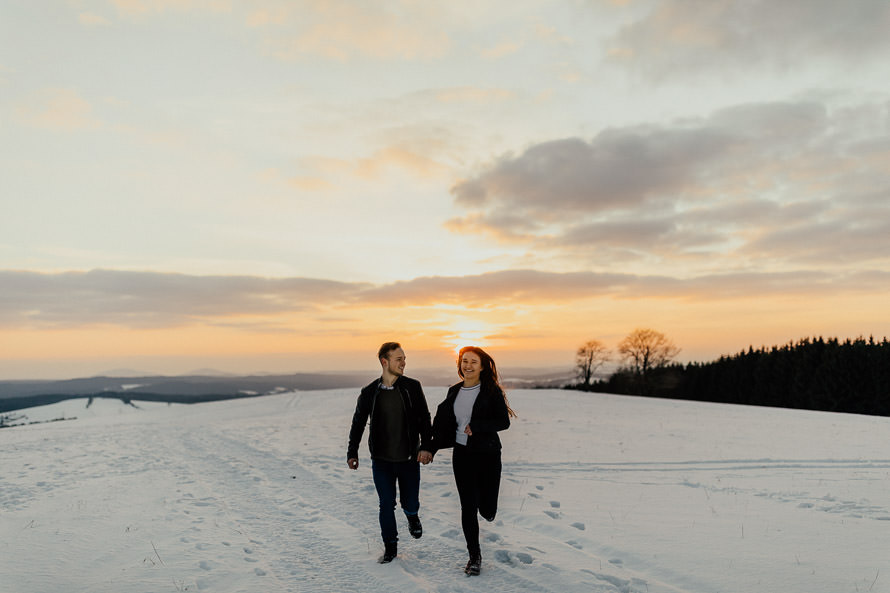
(409, 487)
(409, 495)
(385, 482)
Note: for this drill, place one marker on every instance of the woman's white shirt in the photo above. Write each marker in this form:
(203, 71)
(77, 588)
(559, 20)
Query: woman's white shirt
(463, 410)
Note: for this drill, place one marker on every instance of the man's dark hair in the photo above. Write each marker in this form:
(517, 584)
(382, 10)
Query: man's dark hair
(386, 349)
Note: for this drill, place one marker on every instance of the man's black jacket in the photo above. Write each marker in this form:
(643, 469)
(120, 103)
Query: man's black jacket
(417, 415)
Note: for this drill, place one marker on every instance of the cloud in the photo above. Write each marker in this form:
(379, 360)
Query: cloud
(163, 300)
(149, 7)
(61, 109)
(477, 95)
(530, 287)
(681, 36)
(149, 299)
(310, 184)
(783, 182)
(395, 157)
(505, 48)
(91, 19)
(324, 174)
(344, 31)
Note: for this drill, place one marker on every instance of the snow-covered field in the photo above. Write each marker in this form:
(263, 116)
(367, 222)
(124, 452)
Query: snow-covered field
(600, 493)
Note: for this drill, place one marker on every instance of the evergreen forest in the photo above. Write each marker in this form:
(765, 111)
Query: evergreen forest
(850, 376)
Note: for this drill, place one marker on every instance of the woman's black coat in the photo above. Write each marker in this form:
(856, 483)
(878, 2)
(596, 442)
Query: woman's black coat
(489, 416)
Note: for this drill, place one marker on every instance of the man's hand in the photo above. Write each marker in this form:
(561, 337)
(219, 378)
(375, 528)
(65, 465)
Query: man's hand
(468, 431)
(424, 457)
(352, 463)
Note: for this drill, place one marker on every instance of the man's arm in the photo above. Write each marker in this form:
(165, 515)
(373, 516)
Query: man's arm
(359, 420)
(424, 424)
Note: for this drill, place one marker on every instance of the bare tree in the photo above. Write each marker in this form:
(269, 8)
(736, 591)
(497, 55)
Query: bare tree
(589, 358)
(644, 350)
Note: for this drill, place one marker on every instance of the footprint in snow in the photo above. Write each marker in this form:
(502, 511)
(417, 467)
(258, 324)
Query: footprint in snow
(575, 544)
(555, 504)
(451, 533)
(578, 526)
(552, 514)
(534, 495)
(512, 558)
(539, 487)
(618, 583)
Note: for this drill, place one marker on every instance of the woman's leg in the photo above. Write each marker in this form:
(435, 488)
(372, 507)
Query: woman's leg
(489, 480)
(465, 478)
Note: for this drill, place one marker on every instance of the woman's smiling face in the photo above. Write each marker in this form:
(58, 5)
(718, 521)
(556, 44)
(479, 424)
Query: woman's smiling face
(470, 368)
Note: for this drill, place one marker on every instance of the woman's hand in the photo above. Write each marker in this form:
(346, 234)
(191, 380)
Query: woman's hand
(424, 457)
(467, 431)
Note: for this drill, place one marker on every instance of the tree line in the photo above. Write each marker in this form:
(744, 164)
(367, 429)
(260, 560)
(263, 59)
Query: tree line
(851, 376)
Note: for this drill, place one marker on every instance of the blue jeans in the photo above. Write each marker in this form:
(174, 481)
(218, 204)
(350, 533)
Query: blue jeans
(386, 475)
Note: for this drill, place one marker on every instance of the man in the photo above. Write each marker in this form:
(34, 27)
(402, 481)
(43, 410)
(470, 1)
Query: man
(400, 428)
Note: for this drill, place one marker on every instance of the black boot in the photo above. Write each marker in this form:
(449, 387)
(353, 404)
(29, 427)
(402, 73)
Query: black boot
(389, 552)
(414, 526)
(474, 566)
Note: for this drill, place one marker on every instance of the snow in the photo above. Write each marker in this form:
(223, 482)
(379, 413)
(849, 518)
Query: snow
(599, 493)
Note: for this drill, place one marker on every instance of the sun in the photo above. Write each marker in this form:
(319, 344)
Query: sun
(467, 333)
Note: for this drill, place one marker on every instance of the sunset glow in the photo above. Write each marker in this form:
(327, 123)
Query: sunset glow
(281, 186)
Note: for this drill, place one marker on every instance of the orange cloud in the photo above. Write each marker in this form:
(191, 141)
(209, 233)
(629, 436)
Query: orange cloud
(394, 157)
(346, 30)
(311, 184)
(147, 7)
(473, 95)
(60, 109)
(91, 19)
(319, 173)
(527, 317)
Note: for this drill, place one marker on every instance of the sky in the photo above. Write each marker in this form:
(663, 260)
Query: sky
(280, 186)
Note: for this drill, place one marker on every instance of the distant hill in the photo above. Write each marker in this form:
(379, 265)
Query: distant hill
(16, 395)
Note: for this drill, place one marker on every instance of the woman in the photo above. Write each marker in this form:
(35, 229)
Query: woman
(469, 419)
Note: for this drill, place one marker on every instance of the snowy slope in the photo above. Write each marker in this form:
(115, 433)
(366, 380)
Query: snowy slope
(600, 493)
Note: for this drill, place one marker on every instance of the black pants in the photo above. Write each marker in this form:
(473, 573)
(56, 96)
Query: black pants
(478, 479)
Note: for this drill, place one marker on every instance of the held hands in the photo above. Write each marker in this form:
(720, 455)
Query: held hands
(467, 431)
(352, 463)
(424, 457)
